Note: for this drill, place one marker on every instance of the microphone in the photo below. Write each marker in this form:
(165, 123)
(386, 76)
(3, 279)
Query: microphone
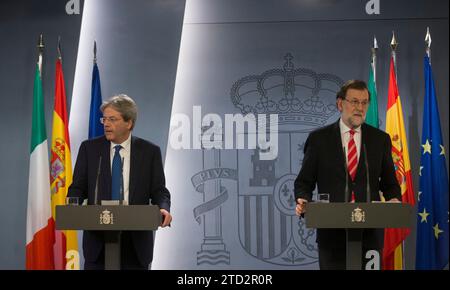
(366, 164)
(346, 176)
(96, 181)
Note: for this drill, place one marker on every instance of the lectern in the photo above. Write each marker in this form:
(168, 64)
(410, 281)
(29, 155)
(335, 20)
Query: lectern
(354, 217)
(112, 220)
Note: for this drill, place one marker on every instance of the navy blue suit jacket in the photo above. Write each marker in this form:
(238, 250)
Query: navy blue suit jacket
(146, 183)
(324, 165)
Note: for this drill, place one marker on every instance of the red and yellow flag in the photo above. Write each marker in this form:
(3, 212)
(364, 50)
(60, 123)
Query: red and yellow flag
(395, 127)
(66, 245)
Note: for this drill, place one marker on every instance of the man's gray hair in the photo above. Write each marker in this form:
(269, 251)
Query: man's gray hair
(124, 105)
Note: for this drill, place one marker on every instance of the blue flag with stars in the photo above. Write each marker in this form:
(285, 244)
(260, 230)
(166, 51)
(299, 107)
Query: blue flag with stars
(95, 127)
(432, 220)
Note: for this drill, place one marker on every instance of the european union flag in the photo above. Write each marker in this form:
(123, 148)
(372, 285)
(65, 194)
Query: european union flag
(432, 220)
(95, 127)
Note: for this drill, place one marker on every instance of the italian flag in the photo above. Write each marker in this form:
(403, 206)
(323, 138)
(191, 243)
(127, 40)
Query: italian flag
(40, 225)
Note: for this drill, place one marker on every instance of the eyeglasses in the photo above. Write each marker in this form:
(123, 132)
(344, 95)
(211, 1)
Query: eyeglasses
(109, 119)
(356, 103)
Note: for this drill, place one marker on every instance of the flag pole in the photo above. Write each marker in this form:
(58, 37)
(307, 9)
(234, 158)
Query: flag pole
(394, 45)
(374, 58)
(428, 43)
(95, 52)
(40, 47)
(95, 128)
(59, 49)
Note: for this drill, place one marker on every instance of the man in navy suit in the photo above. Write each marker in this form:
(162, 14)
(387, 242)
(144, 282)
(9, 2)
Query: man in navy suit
(141, 179)
(334, 159)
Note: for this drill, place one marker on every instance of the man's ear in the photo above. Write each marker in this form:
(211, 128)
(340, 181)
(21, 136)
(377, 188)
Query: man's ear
(130, 124)
(339, 104)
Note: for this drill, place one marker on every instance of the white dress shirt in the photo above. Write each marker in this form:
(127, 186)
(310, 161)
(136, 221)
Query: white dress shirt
(125, 153)
(345, 137)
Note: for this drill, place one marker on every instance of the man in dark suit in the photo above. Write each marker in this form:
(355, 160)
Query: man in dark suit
(140, 180)
(334, 159)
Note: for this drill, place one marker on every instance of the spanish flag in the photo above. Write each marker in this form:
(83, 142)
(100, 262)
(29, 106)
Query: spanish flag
(395, 127)
(66, 245)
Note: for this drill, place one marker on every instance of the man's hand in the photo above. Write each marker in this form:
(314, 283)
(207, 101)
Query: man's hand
(167, 218)
(300, 208)
(394, 200)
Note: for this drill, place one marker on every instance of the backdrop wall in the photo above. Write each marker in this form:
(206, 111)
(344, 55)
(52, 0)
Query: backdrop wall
(172, 55)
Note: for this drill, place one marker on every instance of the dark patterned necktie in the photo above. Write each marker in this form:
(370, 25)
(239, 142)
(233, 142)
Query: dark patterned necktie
(116, 185)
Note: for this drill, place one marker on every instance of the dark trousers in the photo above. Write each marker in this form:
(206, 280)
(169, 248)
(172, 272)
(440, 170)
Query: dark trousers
(128, 258)
(331, 258)
(335, 258)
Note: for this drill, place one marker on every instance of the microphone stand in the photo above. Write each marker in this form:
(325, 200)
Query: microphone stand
(346, 176)
(96, 181)
(366, 163)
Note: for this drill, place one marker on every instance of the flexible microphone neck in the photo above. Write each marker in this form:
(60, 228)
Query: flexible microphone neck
(346, 176)
(366, 164)
(96, 181)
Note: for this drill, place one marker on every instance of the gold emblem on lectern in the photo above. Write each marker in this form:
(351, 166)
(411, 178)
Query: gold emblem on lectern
(358, 216)
(106, 218)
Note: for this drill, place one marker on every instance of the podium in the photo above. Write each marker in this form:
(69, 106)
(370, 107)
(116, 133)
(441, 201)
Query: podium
(354, 218)
(112, 219)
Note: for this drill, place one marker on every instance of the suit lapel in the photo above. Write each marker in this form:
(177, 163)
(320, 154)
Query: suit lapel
(106, 170)
(361, 167)
(339, 147)
(134, 164)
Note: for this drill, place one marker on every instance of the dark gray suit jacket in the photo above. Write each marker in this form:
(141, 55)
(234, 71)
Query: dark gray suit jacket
(324, 165)
(146, 183)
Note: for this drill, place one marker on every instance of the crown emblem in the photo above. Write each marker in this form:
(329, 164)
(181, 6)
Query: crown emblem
(106, 217)
(297, 95)
(358, 215)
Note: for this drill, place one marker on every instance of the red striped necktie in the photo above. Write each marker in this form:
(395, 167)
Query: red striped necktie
(352, 158)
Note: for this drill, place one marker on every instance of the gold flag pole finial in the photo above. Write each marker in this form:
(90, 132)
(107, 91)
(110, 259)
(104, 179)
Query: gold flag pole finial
(394, 45)
(40, 47)
(394, 42)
